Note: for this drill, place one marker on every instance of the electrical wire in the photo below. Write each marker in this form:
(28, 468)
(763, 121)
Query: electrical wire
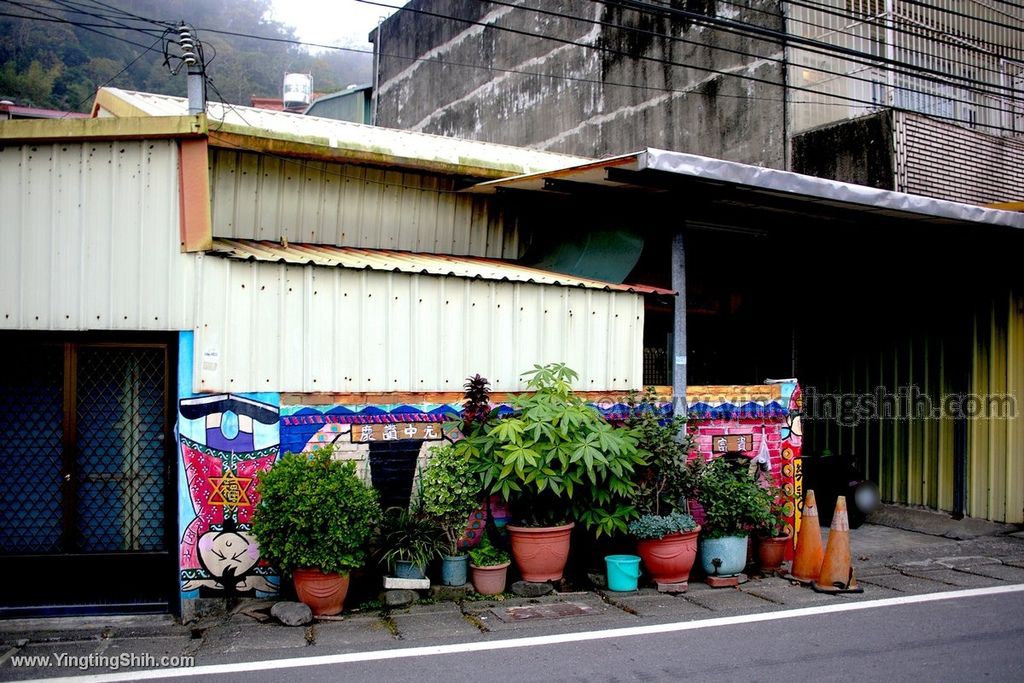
(87, 28)
(854, 102)
(869, 20)
(776, 37)
(844, 98)
(781, 60)
(113, 78)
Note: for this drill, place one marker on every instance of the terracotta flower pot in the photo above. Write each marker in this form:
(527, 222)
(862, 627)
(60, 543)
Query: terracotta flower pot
(669, 559)
(540, 552)
(324, 593)
(489, 580)
(771, 552)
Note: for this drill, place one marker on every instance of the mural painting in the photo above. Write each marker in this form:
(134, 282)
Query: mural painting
(354, 431)
(226, 440)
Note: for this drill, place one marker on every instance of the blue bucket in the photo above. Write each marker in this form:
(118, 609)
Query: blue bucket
(623, 572)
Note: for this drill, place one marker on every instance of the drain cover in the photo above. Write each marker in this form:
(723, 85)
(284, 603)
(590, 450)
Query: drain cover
(556, 610)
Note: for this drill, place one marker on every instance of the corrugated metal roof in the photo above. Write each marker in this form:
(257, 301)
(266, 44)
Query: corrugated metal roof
(753, 187)
(399, 147)
(387, 260)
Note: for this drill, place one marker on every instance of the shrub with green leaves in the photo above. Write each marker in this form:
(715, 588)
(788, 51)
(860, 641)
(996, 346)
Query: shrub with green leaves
(660, 526)
(664, 482)
(487, 555)
(734, 504)
(449, 492)
(556, 459)
(314, 511)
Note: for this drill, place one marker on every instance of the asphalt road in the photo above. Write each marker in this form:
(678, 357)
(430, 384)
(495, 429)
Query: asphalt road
(958, 639)
(963, 639)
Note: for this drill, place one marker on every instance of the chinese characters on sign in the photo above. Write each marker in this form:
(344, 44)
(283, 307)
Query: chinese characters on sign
(733, 443)
(412, 431)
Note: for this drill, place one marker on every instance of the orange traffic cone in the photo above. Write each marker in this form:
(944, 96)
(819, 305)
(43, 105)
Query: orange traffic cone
(808, 556)
(836, 571)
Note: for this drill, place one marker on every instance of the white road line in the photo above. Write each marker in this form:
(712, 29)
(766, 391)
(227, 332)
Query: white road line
(531, 641)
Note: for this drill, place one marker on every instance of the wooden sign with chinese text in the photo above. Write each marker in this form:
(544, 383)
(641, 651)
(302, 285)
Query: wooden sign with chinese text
(410, 431)
(732, 443)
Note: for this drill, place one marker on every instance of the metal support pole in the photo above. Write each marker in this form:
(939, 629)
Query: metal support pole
(679, 405)
(196, 91)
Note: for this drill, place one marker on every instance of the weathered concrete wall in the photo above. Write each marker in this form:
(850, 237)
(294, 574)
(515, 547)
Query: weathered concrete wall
(860, 151)
(625, 80)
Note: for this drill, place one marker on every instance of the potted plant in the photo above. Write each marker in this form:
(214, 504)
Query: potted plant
(556, 461)
(410, 541)
(734, 505)
(772, 537)
(449, 494)
(666, 534)
(489, 566)
(313, 521)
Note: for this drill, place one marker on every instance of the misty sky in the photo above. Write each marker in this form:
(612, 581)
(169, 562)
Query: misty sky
(331, 22)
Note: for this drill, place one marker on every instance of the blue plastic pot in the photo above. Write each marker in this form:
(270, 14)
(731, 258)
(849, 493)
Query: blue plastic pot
(623, 572)
(407, 570)
(453, 569)
(725, 556)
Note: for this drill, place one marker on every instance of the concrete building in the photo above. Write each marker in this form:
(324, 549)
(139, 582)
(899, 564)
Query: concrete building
(864, 91)
(610, 80)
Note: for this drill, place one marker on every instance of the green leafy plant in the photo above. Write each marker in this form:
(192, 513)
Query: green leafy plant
(556, 458)
(774, 523)
(449, 493)
(487, 555)
(665, 482)
(660, 526)
(734, 504)
(314, 511)
(410, 536)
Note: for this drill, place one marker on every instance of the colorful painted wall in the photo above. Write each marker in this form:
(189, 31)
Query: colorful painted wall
(770, 416)
(227, 440)
(224, 442)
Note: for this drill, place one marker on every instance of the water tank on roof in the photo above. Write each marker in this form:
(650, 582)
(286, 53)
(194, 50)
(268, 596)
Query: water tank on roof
(298, 90)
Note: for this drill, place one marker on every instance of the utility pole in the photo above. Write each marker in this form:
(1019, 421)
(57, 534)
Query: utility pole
(196, 70)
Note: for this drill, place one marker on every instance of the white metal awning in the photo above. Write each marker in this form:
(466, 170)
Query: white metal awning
(749, 187)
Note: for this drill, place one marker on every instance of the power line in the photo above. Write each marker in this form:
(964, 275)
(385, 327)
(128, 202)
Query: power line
(776, 37)
(857, 103)
(114, 77)
(830, 10)
(67, 21)
(845, 98)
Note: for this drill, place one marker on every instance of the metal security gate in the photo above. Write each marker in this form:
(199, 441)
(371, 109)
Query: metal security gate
(86, 478)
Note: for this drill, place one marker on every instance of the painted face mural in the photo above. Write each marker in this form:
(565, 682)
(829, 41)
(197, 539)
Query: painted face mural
(226, 441)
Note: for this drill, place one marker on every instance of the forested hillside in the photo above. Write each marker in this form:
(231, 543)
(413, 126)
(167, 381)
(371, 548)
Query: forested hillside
(56, 53)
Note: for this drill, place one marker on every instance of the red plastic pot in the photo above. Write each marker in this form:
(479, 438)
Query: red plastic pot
(669, 559)
(771, 552)
(323, 592)
(489, 580)
(540, 552)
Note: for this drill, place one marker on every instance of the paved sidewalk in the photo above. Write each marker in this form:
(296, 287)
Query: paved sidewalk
(889, 562)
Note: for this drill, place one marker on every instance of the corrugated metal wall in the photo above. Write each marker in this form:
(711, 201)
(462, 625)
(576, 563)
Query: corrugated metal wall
(91, 237)
(996, 445)
(266, 326)
(933, 158)
(257, 196)
(912, 458)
